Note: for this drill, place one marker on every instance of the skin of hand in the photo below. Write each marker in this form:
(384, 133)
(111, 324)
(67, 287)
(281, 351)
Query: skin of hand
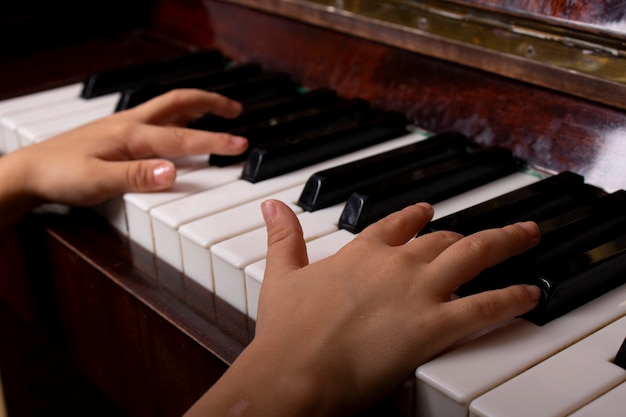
(335, 336)
(116, 154)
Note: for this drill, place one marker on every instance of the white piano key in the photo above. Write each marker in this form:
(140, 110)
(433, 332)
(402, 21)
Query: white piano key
(32, 101)
(448, 384)
(41, 130)
(254, 274)
(317, 249)
(562, 383)
(168, 218)
(138, 205)
(232, 256)
(198, 236)
(611, 404)
(113, 212)
(10, 123)
(188, 163)
(40, 98)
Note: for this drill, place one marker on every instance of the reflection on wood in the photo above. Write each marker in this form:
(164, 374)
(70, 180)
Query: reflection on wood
(609, 14)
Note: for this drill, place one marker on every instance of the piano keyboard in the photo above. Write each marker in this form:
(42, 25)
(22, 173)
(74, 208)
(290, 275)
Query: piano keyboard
(209, 227)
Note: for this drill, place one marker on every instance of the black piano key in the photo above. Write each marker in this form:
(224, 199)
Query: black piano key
(107, 82)
(572, 231)
(299, 125)
(334, 185)
(579, 279)
(207, 80)
(526, 203)
(431, 184)
(267, 113)
(620, 357)
(266, 86)
(279, 157)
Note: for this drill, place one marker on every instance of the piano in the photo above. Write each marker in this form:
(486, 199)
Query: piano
(111, 311)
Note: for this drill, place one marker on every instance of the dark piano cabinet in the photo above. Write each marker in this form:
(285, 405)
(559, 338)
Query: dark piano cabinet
(87, 335)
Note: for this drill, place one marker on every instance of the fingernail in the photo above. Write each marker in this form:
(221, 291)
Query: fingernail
(268, 208)
(531, 228)
(238, 141)
(164, 173)
(534, 291)
(236, 106)
(426, 207)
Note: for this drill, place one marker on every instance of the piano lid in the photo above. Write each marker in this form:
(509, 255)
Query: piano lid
(578, 49)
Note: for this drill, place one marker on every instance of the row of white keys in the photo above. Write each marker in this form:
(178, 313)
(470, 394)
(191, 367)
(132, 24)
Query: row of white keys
(114, 210)
(51, 118)
(138, 205)
(168, 218)
(327, 245)
(89, 111)
(29, 102)
(232, 256)
(611, 404)
(562, 383)
(197, 237)
(448, 384)
(317, 250)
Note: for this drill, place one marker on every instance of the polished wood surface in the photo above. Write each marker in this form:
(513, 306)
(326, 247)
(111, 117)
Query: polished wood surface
(550, 130)
(140, 338)
(610, 15)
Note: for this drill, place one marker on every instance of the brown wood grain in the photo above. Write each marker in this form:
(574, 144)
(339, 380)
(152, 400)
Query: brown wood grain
(600, 13)
(549, 130)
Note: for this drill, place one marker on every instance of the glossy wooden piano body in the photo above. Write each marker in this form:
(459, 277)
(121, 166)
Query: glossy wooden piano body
(97, 325)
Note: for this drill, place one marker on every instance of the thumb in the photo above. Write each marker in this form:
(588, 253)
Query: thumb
(286, 250)
(143, 175)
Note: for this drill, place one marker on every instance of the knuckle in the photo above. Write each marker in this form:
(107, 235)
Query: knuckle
(447, 235)
(488, 306)
(478, 245)
(277, 234)
(124, 130)
(179, 134)
(397, 220)
(221, 138)
(135, 177)
(516, 234)
(175, 96)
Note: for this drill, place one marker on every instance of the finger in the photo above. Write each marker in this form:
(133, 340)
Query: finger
(146, 141)
(430, 246)
(181, 106)
(466, 258)
(286, 250)
(135, 176)
(477, 312)
(397, 228)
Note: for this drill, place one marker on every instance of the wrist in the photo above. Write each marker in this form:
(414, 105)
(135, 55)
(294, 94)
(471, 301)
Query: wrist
(16, 195)
(260, 383)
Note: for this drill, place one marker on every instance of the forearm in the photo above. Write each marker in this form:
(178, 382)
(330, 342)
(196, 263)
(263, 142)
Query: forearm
(15, 200)
(262, 384)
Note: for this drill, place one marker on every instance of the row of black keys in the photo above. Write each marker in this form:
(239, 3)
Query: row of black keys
(288, 129)
(583, 228)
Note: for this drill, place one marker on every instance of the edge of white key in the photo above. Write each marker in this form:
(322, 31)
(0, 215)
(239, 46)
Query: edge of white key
(232, 256)
(198, 236)
(465, 373)
(562, 383)
(317, 250)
